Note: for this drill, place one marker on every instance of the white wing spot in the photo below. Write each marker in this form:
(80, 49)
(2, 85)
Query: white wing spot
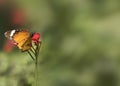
(12, 33)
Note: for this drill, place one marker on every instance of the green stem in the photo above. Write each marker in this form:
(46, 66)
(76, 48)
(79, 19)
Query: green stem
(32, 51)
(33, 48)
(36, 63)
(31, 56)
(36, 72)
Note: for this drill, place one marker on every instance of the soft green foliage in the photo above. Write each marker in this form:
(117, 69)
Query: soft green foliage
(80, 45)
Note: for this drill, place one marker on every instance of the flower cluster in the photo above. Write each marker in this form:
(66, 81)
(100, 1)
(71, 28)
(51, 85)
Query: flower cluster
(34, 50)
(36, 38)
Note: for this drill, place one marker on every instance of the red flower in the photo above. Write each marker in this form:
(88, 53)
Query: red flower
(36, 38)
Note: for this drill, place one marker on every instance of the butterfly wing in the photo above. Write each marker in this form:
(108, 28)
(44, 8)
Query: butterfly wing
(27, 45)
(23, 40)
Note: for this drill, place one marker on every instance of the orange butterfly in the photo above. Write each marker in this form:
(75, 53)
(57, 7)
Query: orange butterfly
(22, 38)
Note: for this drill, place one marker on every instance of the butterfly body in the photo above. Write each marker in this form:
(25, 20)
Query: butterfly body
(22, 38)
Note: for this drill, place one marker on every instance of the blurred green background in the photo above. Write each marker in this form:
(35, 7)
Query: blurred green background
(80, 44)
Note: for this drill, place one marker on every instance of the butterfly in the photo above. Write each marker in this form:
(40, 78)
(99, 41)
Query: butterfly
(22, 38)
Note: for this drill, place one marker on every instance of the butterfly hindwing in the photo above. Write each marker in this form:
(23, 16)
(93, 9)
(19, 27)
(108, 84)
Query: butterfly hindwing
(27, 45)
